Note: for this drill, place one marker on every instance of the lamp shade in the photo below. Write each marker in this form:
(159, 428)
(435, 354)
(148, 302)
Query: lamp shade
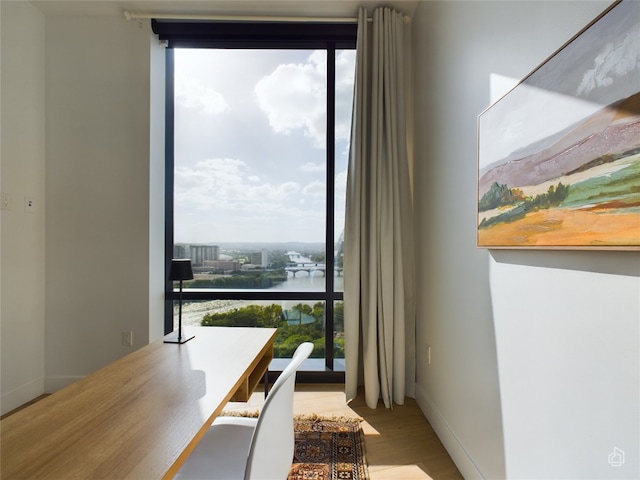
(180, 269)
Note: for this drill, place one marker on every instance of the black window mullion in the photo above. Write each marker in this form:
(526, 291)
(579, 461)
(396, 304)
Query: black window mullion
(193, 294)
(168, 187)
(212, 34)
(330, 202)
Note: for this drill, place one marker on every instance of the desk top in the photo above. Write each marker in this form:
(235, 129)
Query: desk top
(139, 417)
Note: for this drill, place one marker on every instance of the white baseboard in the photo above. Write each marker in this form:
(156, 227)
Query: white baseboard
(21, 395)
(447, 436)
(53, 384)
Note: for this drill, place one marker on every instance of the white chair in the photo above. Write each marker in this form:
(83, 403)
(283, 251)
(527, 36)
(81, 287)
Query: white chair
(239, 448)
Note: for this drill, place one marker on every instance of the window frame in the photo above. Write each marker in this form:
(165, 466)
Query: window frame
(251, 35)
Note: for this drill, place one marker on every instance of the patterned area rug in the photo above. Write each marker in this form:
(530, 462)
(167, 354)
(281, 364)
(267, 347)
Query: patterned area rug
(328, 449)
(325, 448)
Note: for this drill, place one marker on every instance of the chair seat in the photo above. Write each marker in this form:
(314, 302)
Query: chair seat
(240, 448)
(223, 451)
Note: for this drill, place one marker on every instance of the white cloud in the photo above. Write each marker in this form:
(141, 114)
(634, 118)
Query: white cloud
(217, 201)
(613, 61)
(191, 94)
(293, 97)
(341, 183)
(222, 184)
(314, 167)
(345, 75)
(315, 190)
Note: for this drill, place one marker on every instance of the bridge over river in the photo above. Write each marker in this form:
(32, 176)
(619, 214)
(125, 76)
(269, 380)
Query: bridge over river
(310, 268)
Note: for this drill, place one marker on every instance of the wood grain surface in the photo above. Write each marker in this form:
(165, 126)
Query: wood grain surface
(137, 418)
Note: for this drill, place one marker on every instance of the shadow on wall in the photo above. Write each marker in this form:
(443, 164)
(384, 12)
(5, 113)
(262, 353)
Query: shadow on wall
(625, 263)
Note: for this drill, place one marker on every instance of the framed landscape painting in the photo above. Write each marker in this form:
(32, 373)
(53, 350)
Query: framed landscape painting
(559, 155)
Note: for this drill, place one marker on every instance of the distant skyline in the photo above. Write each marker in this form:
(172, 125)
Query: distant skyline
(250, 144)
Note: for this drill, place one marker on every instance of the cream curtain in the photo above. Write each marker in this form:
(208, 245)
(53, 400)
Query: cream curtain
(379, 298)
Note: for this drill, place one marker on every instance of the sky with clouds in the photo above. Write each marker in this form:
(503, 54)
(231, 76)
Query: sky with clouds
(250, 144)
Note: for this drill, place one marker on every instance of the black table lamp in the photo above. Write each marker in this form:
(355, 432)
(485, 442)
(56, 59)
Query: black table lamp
(180, 270)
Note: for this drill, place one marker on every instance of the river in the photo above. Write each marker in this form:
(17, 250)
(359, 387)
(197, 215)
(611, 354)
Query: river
(192, 312)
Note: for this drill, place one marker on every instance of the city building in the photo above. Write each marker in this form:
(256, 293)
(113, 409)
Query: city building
(260, 259)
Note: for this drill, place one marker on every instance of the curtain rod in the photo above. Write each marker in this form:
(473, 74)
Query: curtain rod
(240, 18)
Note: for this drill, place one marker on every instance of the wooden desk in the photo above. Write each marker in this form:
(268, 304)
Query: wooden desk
(139, 417)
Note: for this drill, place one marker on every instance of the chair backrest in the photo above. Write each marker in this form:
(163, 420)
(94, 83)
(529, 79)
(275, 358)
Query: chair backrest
(271, 451)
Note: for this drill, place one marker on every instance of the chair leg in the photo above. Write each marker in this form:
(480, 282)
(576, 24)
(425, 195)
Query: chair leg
(266, 383)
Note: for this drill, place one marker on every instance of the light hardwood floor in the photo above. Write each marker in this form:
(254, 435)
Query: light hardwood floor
(400, 444)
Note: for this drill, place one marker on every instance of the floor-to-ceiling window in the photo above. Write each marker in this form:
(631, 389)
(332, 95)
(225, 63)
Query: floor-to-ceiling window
(258, 134)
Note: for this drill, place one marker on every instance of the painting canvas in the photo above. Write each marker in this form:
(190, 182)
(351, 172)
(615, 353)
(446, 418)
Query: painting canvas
(559, 155)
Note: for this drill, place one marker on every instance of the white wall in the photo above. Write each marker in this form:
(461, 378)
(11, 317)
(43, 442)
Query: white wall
(568, 336)
(76, 136)
(156, 188)
(97, 191)
(534, 370)
(22, 161)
